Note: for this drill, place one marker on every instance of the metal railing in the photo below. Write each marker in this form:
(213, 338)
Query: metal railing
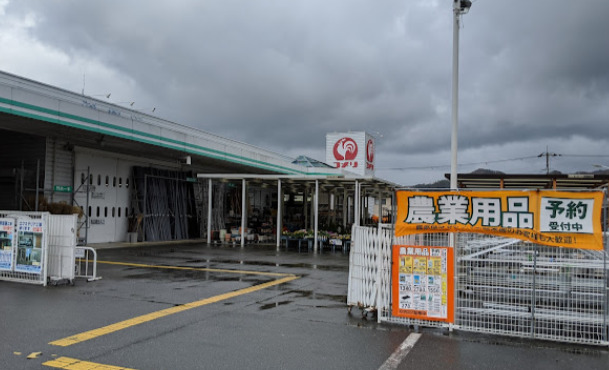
(86, 263)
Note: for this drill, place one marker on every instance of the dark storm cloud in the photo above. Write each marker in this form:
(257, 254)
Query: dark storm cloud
(281, 74)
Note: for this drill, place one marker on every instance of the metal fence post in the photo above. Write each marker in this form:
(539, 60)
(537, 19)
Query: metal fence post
(533, 291)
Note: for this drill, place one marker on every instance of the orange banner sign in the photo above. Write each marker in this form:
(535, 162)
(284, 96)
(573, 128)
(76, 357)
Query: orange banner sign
(554, 218)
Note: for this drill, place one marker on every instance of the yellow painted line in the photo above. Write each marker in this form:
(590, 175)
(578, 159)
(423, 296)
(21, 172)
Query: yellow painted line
(74, 364)
(74, 339)
(33, 355)
(245, 272)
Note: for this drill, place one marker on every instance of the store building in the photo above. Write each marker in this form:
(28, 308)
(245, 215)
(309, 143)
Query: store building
(129, 172)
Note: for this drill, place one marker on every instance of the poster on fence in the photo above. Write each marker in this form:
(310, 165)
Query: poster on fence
(553, 218)
(29, 246)
(423, 283)
(7, 242)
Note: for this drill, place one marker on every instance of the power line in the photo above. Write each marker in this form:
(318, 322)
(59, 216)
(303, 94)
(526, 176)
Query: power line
(587, 155)
(448, 166)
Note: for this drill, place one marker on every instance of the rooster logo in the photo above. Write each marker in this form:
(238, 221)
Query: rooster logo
(345, 149)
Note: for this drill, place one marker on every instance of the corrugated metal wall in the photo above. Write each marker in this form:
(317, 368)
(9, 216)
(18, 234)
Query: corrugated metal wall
(58, 170)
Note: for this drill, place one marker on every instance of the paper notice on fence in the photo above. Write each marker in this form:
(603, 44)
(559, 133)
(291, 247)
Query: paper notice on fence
(423, 283)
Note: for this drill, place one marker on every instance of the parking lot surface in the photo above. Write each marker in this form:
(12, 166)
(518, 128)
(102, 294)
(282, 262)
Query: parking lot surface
(199, 306)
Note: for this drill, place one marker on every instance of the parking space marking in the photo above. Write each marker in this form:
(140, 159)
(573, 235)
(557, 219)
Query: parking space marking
(400, 353)
(74, 364)
(78, 338)
(245, 272)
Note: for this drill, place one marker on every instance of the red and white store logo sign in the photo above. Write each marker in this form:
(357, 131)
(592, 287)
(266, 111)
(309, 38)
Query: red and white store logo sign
(370, 154)
(345, 152)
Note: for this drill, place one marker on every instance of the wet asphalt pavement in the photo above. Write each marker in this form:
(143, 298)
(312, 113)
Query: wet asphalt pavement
(175, 313)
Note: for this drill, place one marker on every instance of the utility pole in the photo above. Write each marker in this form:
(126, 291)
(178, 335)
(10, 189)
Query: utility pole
(547, 154)
(459, 7)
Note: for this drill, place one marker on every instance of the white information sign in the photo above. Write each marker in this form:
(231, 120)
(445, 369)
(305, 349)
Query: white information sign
(7, 243)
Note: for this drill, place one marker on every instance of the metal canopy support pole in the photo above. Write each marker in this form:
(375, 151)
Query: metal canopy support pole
(356, 204)
(312, 211)
(243, 212)
(145, 207)
(279, 206)
(333, 206)
(379, 206)
(209, 207)
(305, 205)
(316, 214)
(87, 212)
(345, 209)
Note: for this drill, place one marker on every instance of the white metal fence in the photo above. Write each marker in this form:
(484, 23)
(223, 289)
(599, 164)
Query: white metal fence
(502, 286)
(61, 238)
(370, 268)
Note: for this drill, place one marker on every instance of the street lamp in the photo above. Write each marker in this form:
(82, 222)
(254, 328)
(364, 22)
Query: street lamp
(459, 7)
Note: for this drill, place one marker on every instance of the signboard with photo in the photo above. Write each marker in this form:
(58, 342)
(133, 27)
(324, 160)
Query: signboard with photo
(29, 246)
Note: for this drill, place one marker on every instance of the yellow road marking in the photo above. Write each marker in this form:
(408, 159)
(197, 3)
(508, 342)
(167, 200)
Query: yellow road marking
(33, 355)
(74, 339)
(245, 272)
(74, 364)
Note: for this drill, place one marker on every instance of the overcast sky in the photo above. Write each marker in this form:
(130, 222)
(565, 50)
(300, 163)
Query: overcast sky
(280, 74)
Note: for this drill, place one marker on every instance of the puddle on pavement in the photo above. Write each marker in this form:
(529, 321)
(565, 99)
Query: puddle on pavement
(195, 275)
(310, 294)
(210, 262)
(274, 304)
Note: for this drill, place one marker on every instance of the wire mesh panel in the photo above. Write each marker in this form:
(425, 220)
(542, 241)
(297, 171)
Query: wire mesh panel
(511, 287)
(503, 286)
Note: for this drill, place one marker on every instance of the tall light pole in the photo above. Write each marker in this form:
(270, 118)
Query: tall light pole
(459, 7)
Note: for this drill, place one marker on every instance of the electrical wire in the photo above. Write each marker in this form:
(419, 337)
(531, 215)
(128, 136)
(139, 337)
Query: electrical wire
(448, 166)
